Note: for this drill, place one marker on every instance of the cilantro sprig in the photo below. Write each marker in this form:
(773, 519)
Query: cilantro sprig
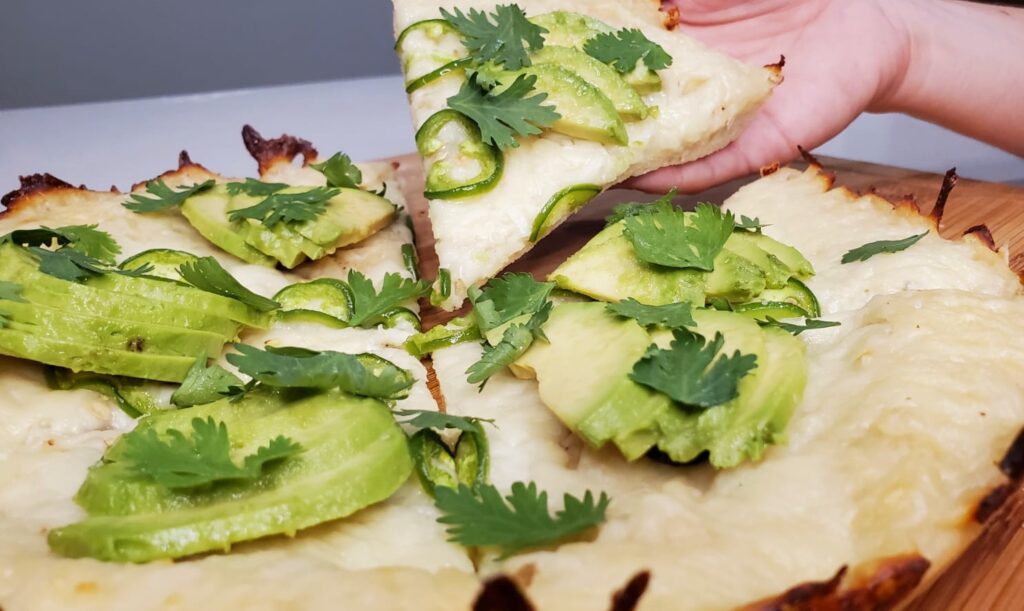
(672, 315)
(426, 419)
(519, 521)
(291, 207)
(163, 196)
(366, 375)
(204, 385)
(207, 274)
(505, 37)
(254, 188)
(514, 343)
(865, 252)
(340, 171)
(796, 329)
(689, 373)
(370, 306)
(750, 225)
(175, 460)
(624, 49)
(664, 235)
(504, 115)
(73, 253)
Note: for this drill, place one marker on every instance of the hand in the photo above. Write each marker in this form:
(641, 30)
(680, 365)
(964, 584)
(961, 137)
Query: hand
(842, 57)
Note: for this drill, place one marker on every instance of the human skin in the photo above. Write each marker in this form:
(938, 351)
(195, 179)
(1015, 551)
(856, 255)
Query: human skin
(950, 62)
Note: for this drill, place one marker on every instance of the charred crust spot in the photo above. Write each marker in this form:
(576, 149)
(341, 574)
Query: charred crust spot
(628, 597)
(501, 594)
(1013, 461)
(808, 157)
(888, 583)
(983, 233)
(948, 182)
(1012, 465)
(285, 147)
(184, 160)
(770, 169)
(777, 66)
(671, 15)
(992, 502)
(35, 183)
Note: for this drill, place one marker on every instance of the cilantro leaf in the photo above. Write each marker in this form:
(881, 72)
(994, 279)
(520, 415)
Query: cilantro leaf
(671, 315)
(685, 371)
(359, 374)
(86, 239)
(628, 209)
(206, 274)
(254, 188)
(287, 207)
(809, 324)
(340, 171)
(67, 264)
(164, 197)
(370, 306)
(503, 116)
(865, 252)
(665, 235)
(625, 48)
(519, 521)
(505, 37)
(516, 340)
(750, 224)
(508, 297)
(426, 419)
(177, 461)
(205, 384)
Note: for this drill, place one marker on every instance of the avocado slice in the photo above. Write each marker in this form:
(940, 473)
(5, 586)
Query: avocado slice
(280, 241)
(352, 216)
(607, 268)
(97, 359)
(587, 385)
(574, 30)
(788, 255)
(136, 337)
(207, 212)
(626, 100)
(586, 112)
(18, 265)
(776, 273)
(354, 455)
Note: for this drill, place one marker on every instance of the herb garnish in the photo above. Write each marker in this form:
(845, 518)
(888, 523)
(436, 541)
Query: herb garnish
(177, 461)
(164, 197)
(624, 49)
(370, 306)
(366, 375)
(291, 207)
(520, 521)
(340, 171)
(514, 343)
(505, 37)
(254, 188)
(672, 315)
(685, 371)
(426, 419)
(504, 115)
(865, 252)
(750, 224)
(207, 274)
(204, 385)
(664, 235)
(795, 329)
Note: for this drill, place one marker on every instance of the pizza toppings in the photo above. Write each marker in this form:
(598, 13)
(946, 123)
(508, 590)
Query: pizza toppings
(515, 110)
(626, 49)
(163, 197)
(865, 252)
(464, 462)
(505, 37)
(664, 235)
(671, 315)
(461, 164)
(517, 522)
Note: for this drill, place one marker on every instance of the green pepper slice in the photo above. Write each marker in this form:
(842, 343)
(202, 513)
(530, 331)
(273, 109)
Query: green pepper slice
(438, 465)
(426, 48)
(462, 164)
(561, 205)
(325, 301)
(456, 331)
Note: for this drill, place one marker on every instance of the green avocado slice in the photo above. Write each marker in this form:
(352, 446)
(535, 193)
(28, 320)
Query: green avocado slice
(207, 212)
(354, 455)
(129, 336)
(351, 216)
(17, 265)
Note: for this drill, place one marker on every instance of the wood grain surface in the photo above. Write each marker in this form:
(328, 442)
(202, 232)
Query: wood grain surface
(989, 575)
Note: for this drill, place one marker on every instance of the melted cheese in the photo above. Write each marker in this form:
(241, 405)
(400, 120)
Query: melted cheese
(910, 405)
(49, 439)
(706, 99)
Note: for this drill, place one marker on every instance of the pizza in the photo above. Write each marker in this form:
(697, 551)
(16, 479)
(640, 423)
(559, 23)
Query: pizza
(518, 134)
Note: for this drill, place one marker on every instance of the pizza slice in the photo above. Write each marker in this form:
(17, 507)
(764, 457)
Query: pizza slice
(525, 112)
(885, 435)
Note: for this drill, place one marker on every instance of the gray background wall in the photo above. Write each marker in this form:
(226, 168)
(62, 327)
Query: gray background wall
(68, 51)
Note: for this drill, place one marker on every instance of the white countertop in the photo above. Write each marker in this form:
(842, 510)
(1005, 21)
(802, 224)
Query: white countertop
(119, 143)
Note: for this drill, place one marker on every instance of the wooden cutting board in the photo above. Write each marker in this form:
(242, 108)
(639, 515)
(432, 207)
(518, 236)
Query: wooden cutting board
(990, 573)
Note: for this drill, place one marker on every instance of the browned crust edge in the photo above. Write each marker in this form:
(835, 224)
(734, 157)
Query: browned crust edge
(285, 147)
(34, 184)
(185, 164)
(948, 182)
(1012, 466)
(629, 596)
(501, 593)
(670, 12)
(883, 587)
